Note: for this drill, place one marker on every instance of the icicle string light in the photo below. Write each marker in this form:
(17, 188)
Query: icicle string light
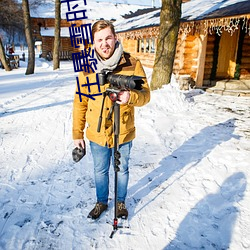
(217, 25)
(206, 27)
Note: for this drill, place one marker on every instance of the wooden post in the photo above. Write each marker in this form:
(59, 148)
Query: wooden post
(201, 60)
(145, 45)
(140, 42)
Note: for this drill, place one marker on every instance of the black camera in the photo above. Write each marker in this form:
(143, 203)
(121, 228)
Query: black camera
(120, 81)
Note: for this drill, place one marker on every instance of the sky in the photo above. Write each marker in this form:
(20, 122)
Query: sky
(189, 169)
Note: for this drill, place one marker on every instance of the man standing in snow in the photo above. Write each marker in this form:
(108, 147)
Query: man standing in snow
(110, 56)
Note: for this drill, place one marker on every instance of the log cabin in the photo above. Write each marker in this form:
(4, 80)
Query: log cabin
(43, 31)
(213, 41)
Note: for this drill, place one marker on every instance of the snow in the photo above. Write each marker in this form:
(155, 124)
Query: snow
(155, 3)
(192, 10)
(51, 31)
(94, 9)
(196, 9)
(189, 169)
(145, 20)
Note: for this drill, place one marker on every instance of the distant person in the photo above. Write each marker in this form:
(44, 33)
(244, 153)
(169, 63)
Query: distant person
(11, 50)
(110, 56)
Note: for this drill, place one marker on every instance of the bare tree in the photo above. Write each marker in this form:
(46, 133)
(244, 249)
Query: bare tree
(29, 38)
(11, 24)
(3, 57)
(11, 16)
(168, 34)
(56, 59)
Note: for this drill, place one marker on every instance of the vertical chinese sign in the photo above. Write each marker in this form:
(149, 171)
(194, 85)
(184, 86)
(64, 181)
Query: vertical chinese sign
(81, 35)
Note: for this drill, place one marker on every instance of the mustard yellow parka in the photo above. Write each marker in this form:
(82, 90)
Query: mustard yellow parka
(88, 111)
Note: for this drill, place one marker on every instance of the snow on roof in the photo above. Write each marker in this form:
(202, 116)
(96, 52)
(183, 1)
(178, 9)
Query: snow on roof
(38, 42)
(50, 31)
(145, 20)
(197, 9)
(192, 10)
(94, 10)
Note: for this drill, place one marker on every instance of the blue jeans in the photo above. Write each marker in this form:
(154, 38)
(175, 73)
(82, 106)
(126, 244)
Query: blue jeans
(102, 157)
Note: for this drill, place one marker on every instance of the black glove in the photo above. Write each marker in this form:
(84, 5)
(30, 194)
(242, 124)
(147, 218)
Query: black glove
(78, 153)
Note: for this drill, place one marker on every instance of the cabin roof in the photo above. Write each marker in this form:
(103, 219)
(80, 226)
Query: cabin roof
(194, 10)
(51, 30)
(209, 9)
(94, 10)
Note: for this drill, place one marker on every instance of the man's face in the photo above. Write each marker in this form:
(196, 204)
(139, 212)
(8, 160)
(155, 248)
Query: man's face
(105, 43)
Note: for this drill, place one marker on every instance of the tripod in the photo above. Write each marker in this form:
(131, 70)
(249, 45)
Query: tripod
(117, 155)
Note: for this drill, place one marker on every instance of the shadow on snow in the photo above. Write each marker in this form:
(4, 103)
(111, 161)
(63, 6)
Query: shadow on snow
(190, 153)
(209, 225)
(23, 110)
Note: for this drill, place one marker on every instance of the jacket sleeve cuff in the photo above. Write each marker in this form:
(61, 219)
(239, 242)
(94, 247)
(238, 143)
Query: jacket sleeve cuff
(77, 135)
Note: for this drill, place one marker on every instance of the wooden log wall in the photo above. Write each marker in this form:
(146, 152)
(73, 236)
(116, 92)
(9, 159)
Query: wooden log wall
(245, 60)
(146, 59)
(48, 45)
(185, 59)
(50, 22)
(190, 56)
(186, 55)
(178, 61)
(131, 46)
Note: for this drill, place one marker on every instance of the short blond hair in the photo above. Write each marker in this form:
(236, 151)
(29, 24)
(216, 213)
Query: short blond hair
(102, 24)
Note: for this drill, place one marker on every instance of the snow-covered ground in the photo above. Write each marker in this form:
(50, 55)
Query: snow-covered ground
(189, 170)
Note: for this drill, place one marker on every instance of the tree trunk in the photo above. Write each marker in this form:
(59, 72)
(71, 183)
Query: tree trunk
(168, 34)
(3, 57)
(56, 59)
(29, 39)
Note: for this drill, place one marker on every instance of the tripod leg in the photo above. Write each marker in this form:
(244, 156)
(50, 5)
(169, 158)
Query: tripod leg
(116, 161)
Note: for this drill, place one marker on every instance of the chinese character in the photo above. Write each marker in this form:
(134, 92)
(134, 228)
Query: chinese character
(75, 16)
(67, 1)
(88, 84)
(87, 60)
(79, 34)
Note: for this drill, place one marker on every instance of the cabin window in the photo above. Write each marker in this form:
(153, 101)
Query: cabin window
(152, 45)
(146, 45)
(140, 45)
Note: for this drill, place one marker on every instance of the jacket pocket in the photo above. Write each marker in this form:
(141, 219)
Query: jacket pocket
(127, 120)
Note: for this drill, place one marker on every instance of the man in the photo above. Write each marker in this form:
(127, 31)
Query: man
(110, 56)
